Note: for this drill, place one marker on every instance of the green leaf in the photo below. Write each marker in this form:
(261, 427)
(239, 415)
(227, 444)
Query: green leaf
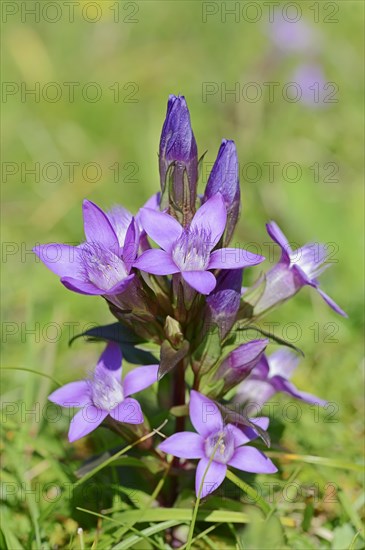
(182, 515)
(123, 336)
(170, 357)
(271, 336)
(115, 332)
(208, 352)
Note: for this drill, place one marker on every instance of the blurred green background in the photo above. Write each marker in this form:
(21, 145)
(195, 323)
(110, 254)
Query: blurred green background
(100, 93)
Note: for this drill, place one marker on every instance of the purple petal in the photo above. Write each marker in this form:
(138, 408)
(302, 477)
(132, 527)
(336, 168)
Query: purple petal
(283, 362)
(161, 227)
(153, 202)
(111, 361)
(157, 262)
(213, 478)
(85, 421)
(62, 259)
(205, 415)
(82, 287)
(262, 369)
(129, 411)
(278, 236)
(184, 445)
(139, 379)
(211, 218)
(74, 394)
(252, 460)
(233, 258)
(119, 287)
(254, 393)
(282, 385)
(202, 281)
(332, 303)
(131, 244)
(120, 219)
(98, 228)
(245, 434)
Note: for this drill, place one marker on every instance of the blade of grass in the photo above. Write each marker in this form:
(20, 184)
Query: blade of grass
(265, 507)
(320, 460)
(33, 372)
(117, 455)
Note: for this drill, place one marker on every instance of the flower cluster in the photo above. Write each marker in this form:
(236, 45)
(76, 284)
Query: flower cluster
(174, 285)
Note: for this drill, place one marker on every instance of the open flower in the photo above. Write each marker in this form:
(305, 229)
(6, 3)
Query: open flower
(296, 268)
(189, 250)
(270, 376)
(223, 443)
(105, 394)
(98, 266)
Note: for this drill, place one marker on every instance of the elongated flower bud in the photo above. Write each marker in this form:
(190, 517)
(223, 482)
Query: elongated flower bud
(223, 304)
(224, 178)
(178, 161)
(239, 364)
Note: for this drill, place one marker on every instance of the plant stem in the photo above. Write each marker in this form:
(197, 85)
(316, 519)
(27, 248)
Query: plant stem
(178, 399)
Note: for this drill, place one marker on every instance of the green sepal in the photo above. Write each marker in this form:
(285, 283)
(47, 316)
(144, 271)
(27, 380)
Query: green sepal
(208, 352)
(170, 356)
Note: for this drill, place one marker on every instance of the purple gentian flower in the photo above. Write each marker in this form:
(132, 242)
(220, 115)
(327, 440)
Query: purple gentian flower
(178, 145)
(270, 376)
(105, 394)
(312, 85)
(295, 269)
(99, 266)
(240, 362)
(208, 422)
(224, 179)
(291, 36)
(189, 250)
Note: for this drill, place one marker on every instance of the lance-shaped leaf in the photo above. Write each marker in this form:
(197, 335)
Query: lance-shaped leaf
(125, 337)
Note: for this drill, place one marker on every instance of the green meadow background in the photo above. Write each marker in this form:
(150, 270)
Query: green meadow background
(91, 129)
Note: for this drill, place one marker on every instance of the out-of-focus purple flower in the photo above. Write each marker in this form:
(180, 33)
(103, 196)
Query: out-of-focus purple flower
(270, 376)
(224, 179)
(178, 147)
(223, 444)
(291, 36)
(295, 269)
(99, 266)
(240, 362)
(224, 302)
(311, 87)
(105, 394)
(189, 250)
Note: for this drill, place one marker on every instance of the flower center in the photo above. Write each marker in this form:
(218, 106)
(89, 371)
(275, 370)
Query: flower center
(102, 267)
(191, 251)
(106, 391)
(225, 449)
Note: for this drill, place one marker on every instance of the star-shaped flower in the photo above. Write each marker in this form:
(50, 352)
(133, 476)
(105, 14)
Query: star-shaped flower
(105, 394)
(99, 266)
(225, 442)
(189, 250)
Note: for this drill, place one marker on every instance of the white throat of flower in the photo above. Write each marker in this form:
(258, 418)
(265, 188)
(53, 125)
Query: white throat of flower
(106, 391)
(225, 449)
